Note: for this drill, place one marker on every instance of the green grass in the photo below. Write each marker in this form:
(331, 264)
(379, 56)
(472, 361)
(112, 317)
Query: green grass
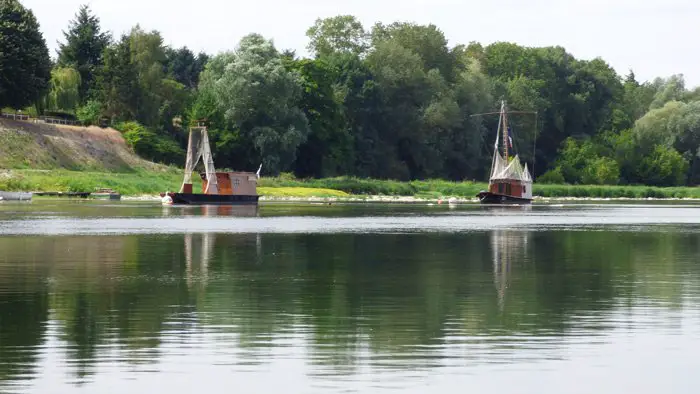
(441, 188)
(595, 191)
(145, 182)
(133, 183)
(300, 192)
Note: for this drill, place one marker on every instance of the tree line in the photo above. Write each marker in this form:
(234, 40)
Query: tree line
(390, 101)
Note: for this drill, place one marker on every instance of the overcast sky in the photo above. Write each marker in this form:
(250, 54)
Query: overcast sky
(652, 37)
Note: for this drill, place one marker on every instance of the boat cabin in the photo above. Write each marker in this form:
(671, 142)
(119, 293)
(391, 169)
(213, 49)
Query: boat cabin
(229, 183)
(511, 187)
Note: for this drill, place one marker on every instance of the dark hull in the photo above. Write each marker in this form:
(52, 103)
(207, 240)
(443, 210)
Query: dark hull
(212, 199)
(495, 198)
(63, 194)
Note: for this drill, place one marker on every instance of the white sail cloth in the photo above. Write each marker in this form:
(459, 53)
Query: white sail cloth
(503, 170)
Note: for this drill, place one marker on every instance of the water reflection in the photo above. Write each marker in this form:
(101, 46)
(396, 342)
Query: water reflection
(202, 264)
(508, 247)
(506, 208)
(338, 308)
(23, 319)
(212, 210)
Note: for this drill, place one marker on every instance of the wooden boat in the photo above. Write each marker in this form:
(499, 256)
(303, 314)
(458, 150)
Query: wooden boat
(218, 188)
(106, 194)
(509, 181)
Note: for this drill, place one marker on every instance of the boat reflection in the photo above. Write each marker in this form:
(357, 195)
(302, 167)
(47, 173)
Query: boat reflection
(212, 210)
(506, 208)
(199, 252)
(509, 248)
(197, 271)
(230, 210)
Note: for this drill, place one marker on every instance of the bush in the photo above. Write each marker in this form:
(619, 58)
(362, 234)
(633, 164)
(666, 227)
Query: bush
(15, 183)
(140, 139)
(168, 151)
(664, 167)
(552, 177)
(601, 171)
(89, 114)
(151, 146)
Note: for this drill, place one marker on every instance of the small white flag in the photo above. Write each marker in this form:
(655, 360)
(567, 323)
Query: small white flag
(258, 173)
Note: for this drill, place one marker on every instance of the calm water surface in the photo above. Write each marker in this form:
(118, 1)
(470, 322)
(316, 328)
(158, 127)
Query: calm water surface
(100, 297)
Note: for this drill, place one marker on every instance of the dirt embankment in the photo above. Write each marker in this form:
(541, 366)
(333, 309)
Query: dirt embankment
(25, 144)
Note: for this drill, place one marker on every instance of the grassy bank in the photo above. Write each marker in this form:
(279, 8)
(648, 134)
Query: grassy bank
(141, 182)
(129, 184)
(595, 191)
(440, 188)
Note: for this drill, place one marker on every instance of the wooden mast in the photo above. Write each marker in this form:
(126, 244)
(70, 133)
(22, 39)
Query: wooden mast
(503, 115)
(505, 130)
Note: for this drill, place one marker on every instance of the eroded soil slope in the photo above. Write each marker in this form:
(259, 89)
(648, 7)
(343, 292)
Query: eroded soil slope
(44, 146)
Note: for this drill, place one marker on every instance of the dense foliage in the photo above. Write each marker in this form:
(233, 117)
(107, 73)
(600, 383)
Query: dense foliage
(83, 49)
(25, 66)
(392, 101)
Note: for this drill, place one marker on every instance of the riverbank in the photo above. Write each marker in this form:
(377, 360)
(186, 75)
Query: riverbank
(440, 189)
(139, 183)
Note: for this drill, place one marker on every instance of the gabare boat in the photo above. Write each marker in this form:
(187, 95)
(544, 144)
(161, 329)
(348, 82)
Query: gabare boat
(218, 188)
(509, 181)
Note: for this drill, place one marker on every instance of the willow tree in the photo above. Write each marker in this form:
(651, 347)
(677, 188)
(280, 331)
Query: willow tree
(259, 97)
(65, 89)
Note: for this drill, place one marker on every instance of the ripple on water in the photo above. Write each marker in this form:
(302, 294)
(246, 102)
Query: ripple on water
(587, 218)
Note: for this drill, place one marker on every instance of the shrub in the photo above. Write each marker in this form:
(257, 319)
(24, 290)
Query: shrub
(664, 167)
(89, 114)
(552, 177)
(601, 171)
(151, 146)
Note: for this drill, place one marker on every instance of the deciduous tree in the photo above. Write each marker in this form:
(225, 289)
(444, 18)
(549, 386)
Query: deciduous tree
(259, 96)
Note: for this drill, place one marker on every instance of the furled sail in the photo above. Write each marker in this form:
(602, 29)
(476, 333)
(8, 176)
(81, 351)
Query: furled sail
(512, 170)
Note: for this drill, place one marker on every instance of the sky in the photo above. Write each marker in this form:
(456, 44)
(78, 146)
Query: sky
(654, 38)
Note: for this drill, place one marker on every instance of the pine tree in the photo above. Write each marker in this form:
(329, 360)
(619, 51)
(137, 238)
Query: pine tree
(83, 49)
(25, 66)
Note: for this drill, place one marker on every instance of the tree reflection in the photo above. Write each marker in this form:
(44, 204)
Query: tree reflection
(346, 299)
(23, 319)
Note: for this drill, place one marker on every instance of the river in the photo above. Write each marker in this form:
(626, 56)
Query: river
(134, 297)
